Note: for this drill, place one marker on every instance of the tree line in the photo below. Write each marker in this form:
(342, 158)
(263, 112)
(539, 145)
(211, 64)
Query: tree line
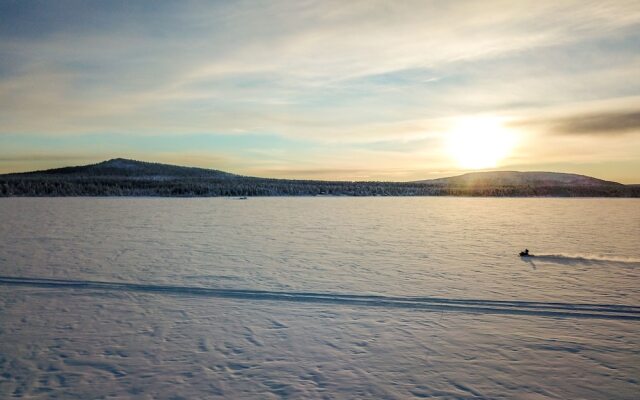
(61, 185)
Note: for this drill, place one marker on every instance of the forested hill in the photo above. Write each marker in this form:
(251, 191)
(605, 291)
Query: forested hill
(120, 167)
(121, 177)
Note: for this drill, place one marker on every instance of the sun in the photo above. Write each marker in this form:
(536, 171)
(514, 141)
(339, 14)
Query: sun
(479, 142)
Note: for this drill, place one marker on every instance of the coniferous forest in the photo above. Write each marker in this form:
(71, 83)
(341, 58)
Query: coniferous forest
(121, 177)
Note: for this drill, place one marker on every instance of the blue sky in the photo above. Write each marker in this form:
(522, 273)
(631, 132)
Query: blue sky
(332, 90)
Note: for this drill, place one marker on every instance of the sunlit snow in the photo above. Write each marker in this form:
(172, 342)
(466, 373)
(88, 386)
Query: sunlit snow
(319, 298)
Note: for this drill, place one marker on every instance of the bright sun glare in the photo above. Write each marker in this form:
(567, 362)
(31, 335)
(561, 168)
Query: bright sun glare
(479, 142)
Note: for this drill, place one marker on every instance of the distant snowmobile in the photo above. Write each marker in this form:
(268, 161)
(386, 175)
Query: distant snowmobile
(526, 253)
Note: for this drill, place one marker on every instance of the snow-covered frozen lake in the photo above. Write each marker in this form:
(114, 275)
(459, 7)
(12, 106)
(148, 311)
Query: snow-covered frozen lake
(319, 298)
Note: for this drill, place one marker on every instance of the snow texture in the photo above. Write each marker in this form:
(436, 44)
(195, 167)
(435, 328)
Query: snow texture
(319, 298)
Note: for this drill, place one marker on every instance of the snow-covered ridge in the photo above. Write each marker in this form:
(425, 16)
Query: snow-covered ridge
(517, 178)
(126, 167)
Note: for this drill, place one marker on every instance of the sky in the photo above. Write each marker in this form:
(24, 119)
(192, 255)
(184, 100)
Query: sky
(345, 90)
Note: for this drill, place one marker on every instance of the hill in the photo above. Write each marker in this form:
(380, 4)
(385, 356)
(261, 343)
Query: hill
(120, 167)
(121, 177)
(516, 178)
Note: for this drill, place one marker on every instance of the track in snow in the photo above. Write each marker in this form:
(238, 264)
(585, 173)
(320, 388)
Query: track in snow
(543, 309)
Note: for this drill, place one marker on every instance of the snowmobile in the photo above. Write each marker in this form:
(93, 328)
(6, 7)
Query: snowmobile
(526, 253)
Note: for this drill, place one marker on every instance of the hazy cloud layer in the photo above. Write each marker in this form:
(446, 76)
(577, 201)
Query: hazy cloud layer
(361, 77)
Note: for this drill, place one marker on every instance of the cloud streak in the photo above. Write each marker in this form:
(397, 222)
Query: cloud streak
(356, 73)
(616, 123)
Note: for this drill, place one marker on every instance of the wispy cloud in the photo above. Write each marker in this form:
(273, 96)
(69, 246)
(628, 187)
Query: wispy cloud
(351, 73)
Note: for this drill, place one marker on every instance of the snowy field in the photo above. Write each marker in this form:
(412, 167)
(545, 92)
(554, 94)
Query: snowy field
(319, 298)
